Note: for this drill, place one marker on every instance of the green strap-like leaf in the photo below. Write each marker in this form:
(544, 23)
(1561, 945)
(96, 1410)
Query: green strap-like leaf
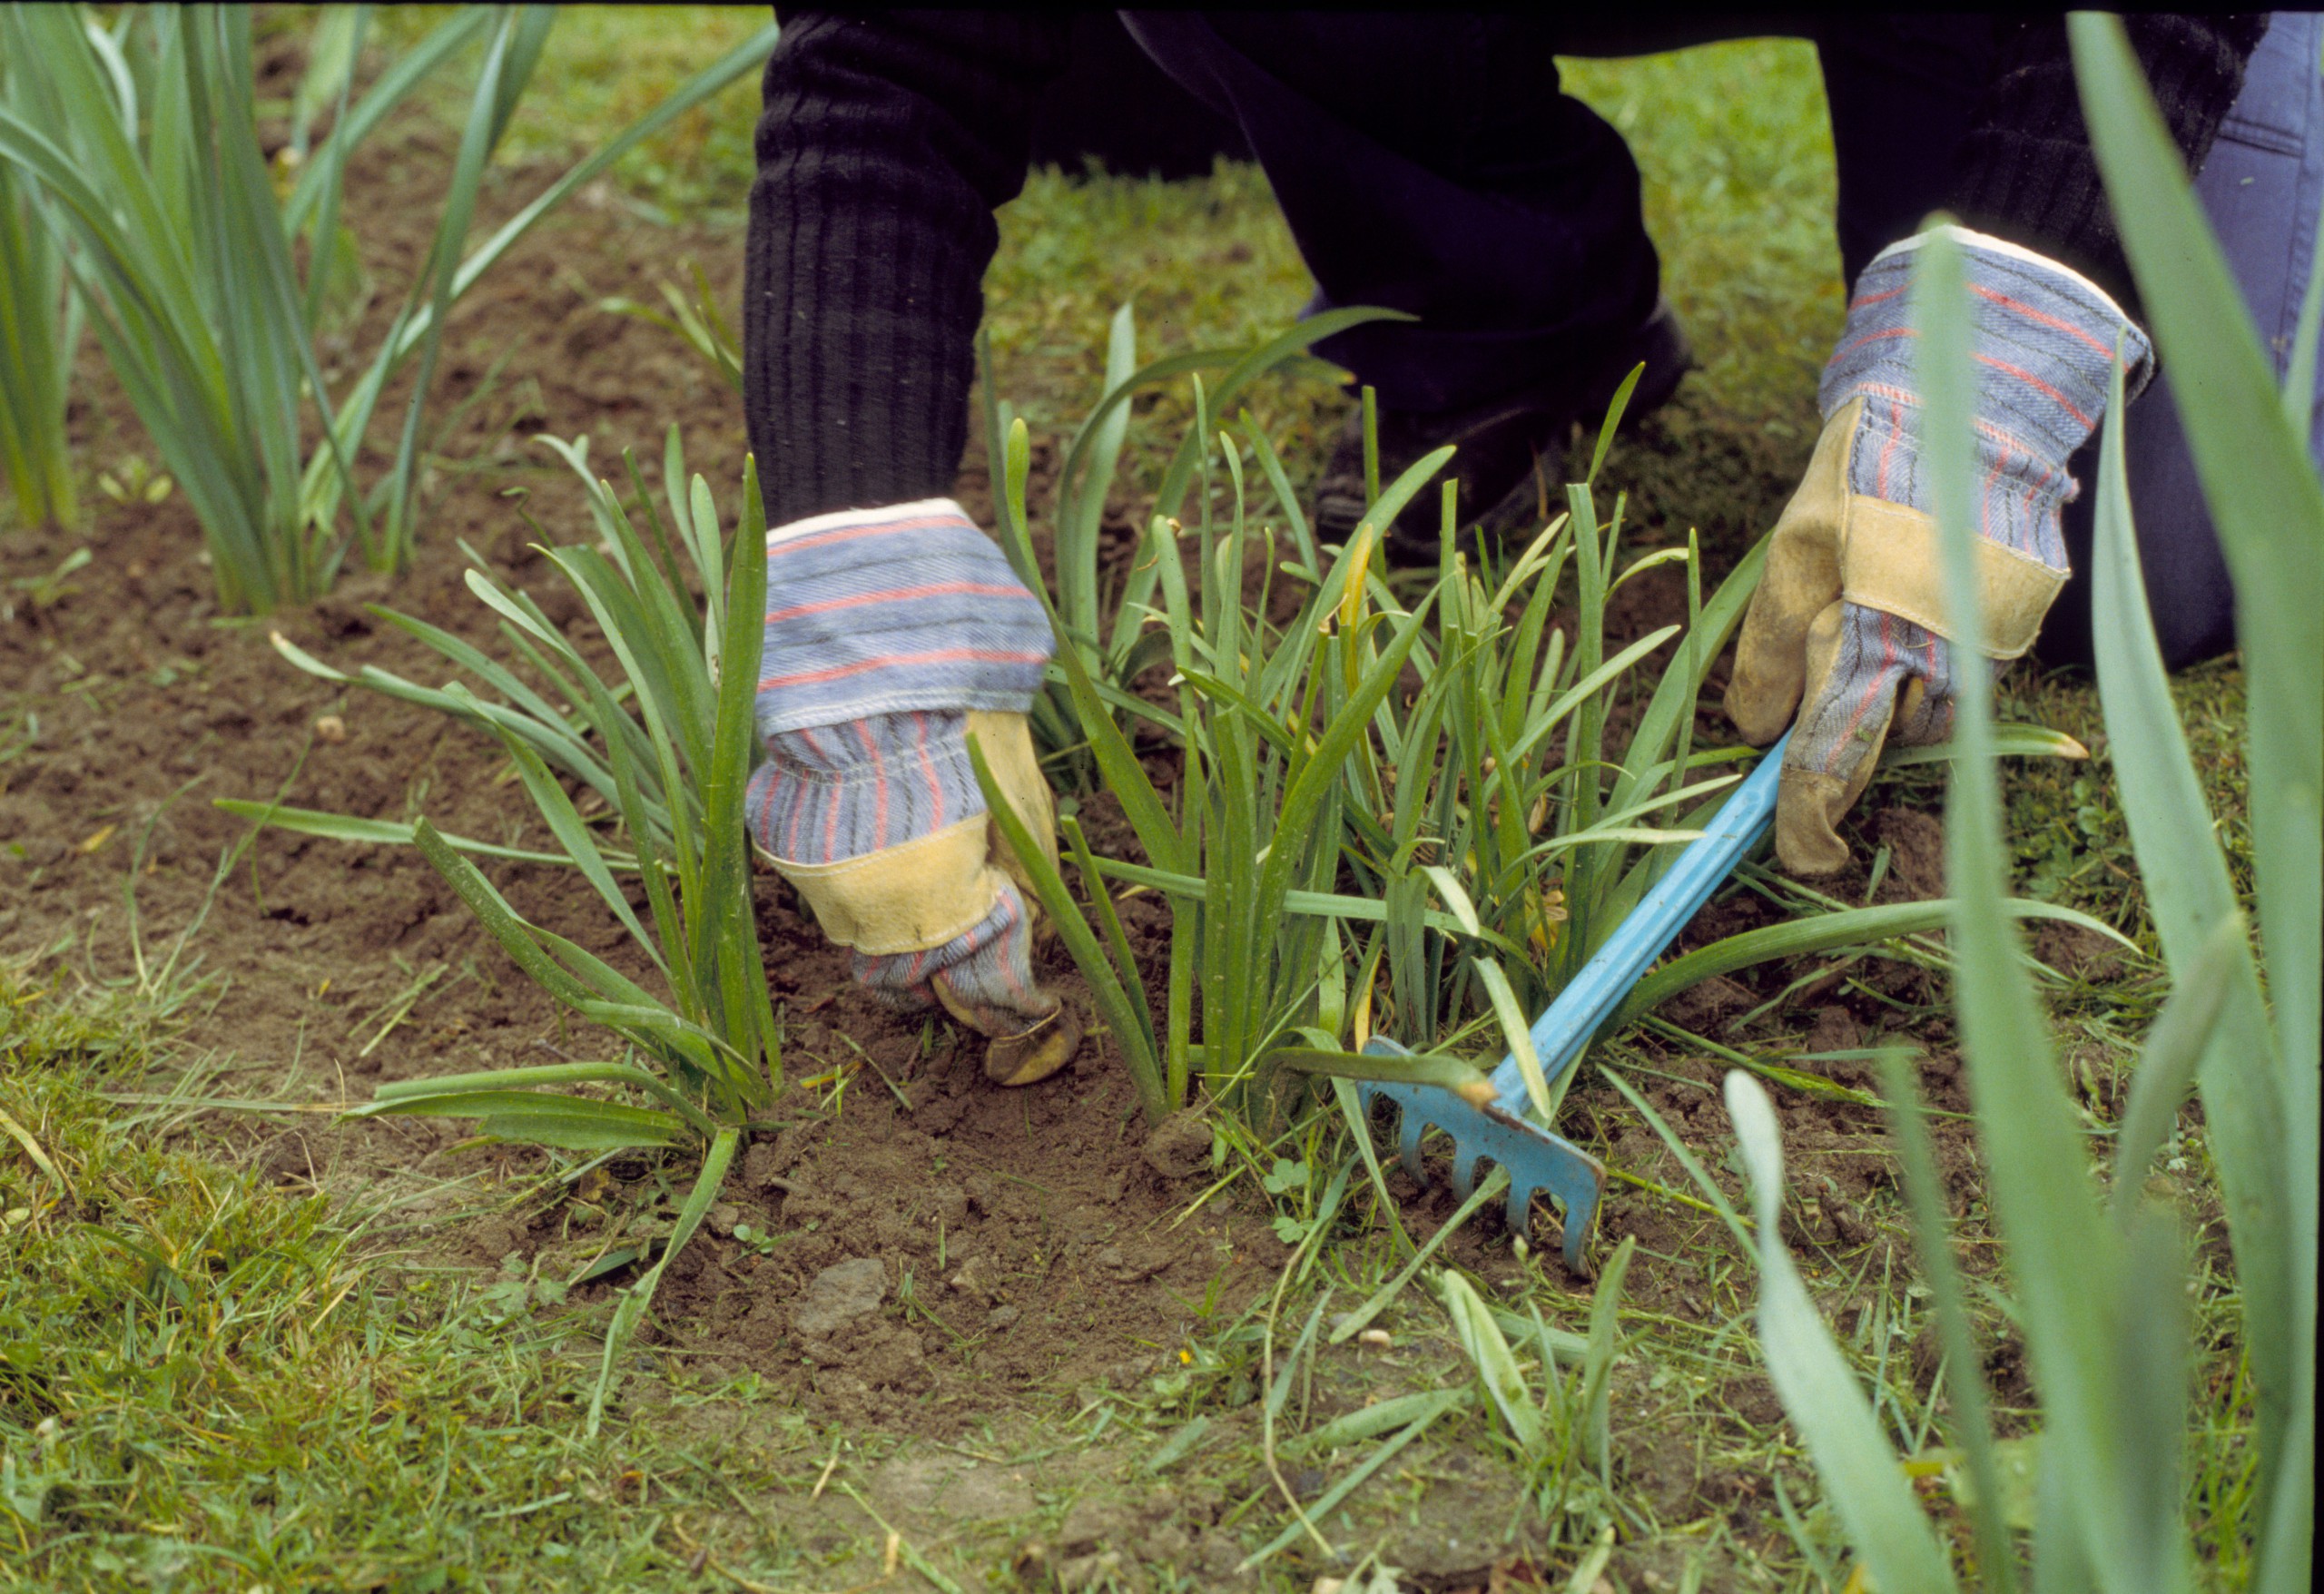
(1089, 956)
(1824, 933)
(2067, 1260)
(344, 827)
(2267, 504)
(1862, 1477)
(500, 921)
(631, 1308)
(1458, 1074)
(570, 1123)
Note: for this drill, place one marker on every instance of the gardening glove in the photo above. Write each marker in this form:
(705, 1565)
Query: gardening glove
(892, 634)
(1848, 627)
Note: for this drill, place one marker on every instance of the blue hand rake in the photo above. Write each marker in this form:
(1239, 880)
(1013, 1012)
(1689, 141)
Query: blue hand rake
(1535, 1159)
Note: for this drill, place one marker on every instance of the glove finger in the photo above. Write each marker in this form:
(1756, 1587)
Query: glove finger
(1031, 1033)
(1802, 579)
(984, 978)
(1855, 679)
(1924, 709)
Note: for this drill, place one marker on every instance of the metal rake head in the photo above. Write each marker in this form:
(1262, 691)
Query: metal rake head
(1535, 1159)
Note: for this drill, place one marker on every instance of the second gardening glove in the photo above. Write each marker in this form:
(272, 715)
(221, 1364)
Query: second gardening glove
(891, 634)
(1848, 629)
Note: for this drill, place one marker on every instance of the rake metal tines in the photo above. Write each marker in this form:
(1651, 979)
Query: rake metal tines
(1537, 1159)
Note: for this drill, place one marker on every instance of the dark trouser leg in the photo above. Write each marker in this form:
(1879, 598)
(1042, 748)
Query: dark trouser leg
(1425, 162)
(2261, 188)
(1902, 88)
(1114, 105)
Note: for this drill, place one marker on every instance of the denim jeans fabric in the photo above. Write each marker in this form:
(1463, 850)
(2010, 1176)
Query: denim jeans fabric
(2261, 188)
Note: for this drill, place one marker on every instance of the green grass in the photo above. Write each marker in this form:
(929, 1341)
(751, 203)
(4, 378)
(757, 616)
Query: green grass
(603, 68)
(1734, 147)
(207, 1383)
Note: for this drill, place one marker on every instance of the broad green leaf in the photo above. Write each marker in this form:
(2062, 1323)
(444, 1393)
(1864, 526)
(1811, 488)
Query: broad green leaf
(1970, 1425)
(1081, 502)
(513, 1078)
(2265, 499)
(631, 1308)
(2268, 506)
(1105, 983)
(569, 1122)
(565, 823)
(1518, 1031)
(1456, 896)
(1371, 1422)
(345, 826)
(1118, 945)
(1458, 1074)
(2175, 1047)
(2009, 742)
(2249, 1096)
(1496, 1366)
(1598, 1358)
(1824, 933)
(2066, 1259)
(1863, 1477)
(498, 919)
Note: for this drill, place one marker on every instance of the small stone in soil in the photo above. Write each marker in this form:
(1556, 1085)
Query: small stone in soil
(1835, 1029)
(1179, 1147)
(839, 1294)
(41, 851)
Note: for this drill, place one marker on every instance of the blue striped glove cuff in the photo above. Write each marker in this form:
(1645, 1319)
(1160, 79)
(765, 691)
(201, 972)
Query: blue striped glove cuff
(888, 611)
(2044, 341)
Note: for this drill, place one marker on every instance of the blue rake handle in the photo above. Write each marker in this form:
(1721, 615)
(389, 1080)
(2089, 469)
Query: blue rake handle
(1536, 1158)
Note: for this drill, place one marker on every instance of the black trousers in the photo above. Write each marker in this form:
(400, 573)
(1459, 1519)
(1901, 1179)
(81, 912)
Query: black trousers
(1427, 163)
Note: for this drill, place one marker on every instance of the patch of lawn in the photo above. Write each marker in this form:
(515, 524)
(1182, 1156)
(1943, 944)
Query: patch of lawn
(207, 1382)
(1206, 264)
(604, 67)
(1734, 150)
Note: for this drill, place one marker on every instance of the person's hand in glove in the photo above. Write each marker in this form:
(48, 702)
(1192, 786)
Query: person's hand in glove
(1848, 629)
(891, 634)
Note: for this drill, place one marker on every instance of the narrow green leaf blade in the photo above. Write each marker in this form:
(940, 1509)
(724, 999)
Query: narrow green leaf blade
(1862, 1476)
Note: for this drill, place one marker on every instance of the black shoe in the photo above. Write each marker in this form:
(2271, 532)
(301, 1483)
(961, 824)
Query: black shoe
(1507, 459)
